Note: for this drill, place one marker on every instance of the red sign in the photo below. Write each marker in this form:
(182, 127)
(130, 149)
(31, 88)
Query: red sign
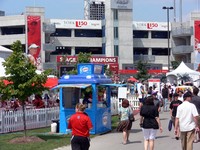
(81, 23)
(152, 25)
(94, 59)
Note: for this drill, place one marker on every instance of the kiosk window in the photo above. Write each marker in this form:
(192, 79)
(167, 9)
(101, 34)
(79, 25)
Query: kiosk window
(70, 97)
(102, 97)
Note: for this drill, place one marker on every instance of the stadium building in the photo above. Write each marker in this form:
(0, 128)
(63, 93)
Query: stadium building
(116, 40)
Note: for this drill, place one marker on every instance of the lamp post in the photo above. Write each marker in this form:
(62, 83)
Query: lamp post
(168, 35)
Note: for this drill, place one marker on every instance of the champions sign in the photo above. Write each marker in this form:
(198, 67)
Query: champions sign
(94, 59)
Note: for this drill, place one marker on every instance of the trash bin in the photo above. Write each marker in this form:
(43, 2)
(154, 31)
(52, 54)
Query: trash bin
(54, 127)
(57, 121)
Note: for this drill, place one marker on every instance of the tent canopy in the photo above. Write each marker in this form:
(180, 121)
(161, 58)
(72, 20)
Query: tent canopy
(183, 69)
(4, 49)
(2, 69)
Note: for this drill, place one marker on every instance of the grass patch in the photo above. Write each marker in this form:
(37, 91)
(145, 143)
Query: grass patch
(52, 141)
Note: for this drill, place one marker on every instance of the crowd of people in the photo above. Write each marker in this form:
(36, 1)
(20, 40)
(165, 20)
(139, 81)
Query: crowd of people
(35, 102)
(183, 106)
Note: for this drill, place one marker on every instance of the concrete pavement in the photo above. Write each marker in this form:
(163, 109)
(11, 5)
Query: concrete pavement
(113, 140)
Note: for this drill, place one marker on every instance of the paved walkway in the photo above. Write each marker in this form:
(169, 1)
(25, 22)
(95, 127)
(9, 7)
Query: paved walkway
(113, 140)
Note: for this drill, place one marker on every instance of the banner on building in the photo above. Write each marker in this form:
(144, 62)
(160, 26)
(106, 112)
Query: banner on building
(34, 37)
(197, 44)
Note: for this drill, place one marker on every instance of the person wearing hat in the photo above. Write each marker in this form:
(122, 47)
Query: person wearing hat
(32, 52)
(186, 120)
(173, 110)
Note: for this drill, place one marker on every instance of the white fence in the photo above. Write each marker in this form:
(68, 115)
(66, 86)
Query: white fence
(11, 121)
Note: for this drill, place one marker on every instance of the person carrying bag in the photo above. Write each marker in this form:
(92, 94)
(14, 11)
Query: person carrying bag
(131, 114)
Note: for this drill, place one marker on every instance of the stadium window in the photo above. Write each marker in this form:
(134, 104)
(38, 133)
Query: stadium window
(116, 32)
(93, 50)
(140, 51)
(88, 33)
(116, 50)
(62, 50)
(140, 34)
(62, 33)
(160, 51)
(13, 30)
(115, 14)
(159, 35)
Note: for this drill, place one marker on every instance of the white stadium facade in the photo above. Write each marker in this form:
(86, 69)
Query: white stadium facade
(116, 40)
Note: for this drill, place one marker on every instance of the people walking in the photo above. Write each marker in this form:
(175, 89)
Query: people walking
(165, 95)
(173, 110)
(125, 124)
(80, 124)
(186, 119)
(149, 122)
(196, 101)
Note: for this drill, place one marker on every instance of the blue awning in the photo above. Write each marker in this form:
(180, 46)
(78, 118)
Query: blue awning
(71, 86)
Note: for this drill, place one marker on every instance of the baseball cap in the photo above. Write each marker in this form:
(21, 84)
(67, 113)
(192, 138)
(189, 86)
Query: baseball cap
(187, 94)
(33, 46)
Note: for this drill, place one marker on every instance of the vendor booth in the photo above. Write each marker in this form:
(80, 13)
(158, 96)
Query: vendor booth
(181, 70)
(89, 83)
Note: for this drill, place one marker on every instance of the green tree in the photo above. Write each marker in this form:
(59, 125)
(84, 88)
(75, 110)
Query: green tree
(142, 73)
(82, 58)
(175, 64)
(24, 81)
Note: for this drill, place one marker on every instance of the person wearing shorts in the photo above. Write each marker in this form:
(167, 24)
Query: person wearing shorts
(149, 122)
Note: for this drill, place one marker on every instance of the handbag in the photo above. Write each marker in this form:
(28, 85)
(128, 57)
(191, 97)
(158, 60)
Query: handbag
(131, 115)
(131, 118)
(170, 125)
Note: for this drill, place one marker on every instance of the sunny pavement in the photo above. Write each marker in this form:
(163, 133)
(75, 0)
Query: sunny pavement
(113, 140)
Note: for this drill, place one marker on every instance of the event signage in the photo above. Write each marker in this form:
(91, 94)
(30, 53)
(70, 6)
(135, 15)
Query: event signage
(76, 24)
(156, 26)
(94, 59)
(98, 69)
(121, 4)
(85, 69)
(197, 44)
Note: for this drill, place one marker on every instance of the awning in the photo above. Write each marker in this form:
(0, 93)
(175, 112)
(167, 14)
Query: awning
(71, 85)
(112, 84)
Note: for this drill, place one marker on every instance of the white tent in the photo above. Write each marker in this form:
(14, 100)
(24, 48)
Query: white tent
(5, 52)
(2, 69)
(182, 69)
(4, 49)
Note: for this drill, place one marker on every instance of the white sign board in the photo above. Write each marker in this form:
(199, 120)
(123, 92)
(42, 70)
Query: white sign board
(76, 24)
(154, 26)
(122, 92)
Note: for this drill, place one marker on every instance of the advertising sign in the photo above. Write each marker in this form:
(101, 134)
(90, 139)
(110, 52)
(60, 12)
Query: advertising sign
(85, 69)
(122, 4)
(154, 83)
(34, 36)
(76, 24)
(196, 44)
(98, 69)
(155, 26)
(94, 59)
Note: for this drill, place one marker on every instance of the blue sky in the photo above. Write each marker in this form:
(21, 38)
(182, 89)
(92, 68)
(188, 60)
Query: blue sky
(143, 10)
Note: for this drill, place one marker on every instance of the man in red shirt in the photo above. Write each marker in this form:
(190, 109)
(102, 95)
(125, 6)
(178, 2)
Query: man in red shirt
(80, 124)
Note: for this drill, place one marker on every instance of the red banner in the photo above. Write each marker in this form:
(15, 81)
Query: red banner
(197, 44)
(34, 33)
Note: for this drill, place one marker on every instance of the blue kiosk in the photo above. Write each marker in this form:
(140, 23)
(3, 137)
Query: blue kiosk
(71, 87)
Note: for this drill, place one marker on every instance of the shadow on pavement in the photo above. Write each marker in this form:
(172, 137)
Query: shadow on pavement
(159, 137)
